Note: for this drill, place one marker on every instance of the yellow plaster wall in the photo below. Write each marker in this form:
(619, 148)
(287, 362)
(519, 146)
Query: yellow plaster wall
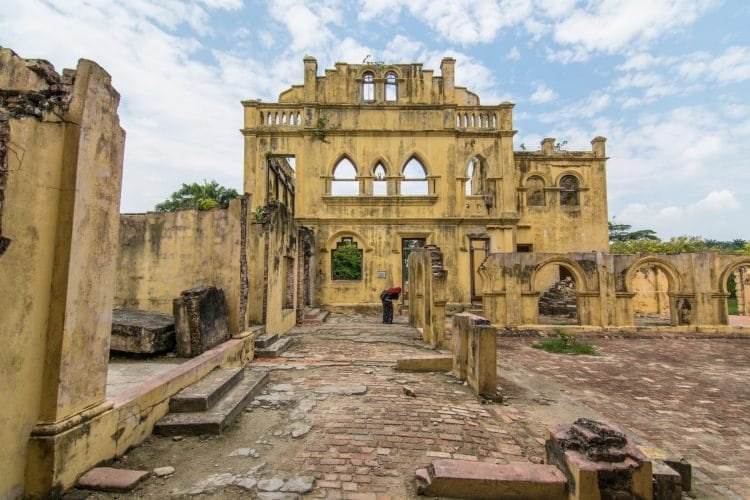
(427, 122)
(60, 210)
(161, 254)
(29, 217)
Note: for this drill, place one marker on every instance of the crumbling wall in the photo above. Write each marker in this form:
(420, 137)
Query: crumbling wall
(426, 290)
(61, 150)
(272, 240)
(161, 254)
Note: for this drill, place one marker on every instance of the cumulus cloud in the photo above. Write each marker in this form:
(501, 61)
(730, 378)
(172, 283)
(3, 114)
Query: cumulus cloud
(612, 26)
(543, 94)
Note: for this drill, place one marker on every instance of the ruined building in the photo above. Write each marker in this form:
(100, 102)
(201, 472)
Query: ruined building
(391, 157)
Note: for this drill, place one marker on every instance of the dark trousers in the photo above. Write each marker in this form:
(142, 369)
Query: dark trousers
(387, 311)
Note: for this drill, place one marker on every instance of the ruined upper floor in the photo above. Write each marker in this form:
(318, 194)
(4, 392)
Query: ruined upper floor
(380, 84)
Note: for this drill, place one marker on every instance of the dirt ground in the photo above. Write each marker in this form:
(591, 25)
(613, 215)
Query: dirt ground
(336, 416)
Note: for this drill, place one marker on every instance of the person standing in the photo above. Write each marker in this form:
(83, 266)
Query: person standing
(387, 297)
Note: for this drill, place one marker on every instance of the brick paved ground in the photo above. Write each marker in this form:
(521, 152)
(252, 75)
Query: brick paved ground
(371, 444)
(687, 395)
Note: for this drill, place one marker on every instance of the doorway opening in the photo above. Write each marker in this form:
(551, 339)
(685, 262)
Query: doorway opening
(408, 245)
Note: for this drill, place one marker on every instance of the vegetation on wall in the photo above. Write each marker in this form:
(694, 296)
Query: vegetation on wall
(198, 197)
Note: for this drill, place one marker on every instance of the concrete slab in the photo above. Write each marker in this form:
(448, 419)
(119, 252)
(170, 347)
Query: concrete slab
(470, 479)
(110, 479)
(426, 364)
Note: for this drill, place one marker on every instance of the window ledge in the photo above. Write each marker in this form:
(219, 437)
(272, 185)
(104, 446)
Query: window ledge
(429, 199)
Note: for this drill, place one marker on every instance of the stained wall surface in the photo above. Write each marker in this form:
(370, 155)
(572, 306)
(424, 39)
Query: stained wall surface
(61, 150)
(468, 195)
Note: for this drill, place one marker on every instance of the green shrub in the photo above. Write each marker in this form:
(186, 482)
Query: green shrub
(565, 343)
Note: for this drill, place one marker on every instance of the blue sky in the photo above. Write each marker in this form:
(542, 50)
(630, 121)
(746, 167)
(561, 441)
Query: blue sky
(666, 81)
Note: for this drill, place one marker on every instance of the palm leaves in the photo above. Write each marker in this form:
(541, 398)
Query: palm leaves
(198, 197)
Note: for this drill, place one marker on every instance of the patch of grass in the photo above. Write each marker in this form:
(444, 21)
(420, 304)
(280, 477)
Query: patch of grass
(566, 343)
(732, 306)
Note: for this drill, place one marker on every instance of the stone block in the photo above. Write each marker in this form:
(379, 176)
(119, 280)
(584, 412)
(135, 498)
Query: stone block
(667, 482)
(462, 324)
(481, 360)
(599, 461)
(142, 332)
(425, 364)
(469, 479)
(201, 320)
(110, 479)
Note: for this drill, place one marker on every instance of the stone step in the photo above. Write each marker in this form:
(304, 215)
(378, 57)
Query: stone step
(265, 340)
(467, 479)
(203, 394)
(220, 416)
(275, 349)
(315, 317)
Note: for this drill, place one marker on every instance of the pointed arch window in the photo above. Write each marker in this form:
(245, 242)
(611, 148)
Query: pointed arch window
(535, 191)
(379, 184)
(414, 182)
(391, 87)
(569, 188)
(476, 184)
(368, 87)
(344, 181)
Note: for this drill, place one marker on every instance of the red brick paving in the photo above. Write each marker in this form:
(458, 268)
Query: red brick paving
(688, 395)
(372, 444)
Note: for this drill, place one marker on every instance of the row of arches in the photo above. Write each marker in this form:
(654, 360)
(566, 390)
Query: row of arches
(413, 177)
(368, 86)
(653, 284)
(568, 185)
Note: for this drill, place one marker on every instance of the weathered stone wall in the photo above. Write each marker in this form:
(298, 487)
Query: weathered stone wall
(272, 239)
(427, 294)
(62, 150)
(695, 286)
(161, 254)
(445, 128)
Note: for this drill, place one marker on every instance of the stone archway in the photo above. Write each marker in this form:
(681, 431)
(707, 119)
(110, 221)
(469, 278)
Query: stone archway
(734, 285)
(558, 283)
(655, 284)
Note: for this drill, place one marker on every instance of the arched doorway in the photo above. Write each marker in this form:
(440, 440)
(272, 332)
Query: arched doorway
(651, 305)
(737, 287)
(557, 286)
(656, 300)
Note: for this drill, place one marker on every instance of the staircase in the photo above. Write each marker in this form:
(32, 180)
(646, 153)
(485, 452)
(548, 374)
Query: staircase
(269, 345)
(211, 404)
(314, 316)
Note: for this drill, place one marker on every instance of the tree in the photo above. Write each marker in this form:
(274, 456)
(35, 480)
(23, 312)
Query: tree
(622, 232)
(347, 262)
(198, 197)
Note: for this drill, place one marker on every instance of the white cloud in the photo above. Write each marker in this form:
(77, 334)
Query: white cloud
(612, 26)
(718, 201)
(710, 217)
(543, 94)
(730, 67)
(513, 54)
